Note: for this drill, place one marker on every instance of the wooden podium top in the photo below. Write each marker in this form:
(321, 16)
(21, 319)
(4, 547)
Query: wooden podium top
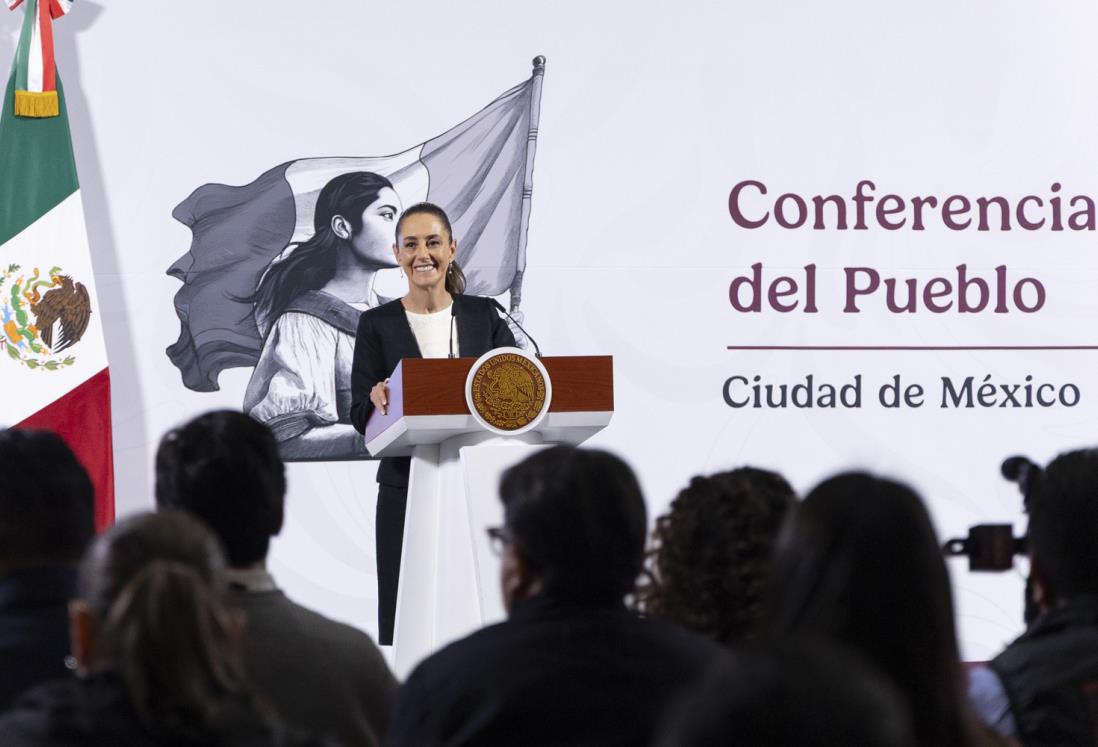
(428, 394)
(436, 386)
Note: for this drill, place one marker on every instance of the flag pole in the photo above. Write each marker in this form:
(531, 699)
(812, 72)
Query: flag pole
(528, 179)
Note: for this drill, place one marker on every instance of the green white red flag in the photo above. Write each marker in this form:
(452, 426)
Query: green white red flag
(53, 360)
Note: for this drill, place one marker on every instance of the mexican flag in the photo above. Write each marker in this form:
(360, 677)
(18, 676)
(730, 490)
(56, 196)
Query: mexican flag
(53, 360)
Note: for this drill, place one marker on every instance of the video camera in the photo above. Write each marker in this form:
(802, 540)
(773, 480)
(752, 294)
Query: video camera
(992, 547)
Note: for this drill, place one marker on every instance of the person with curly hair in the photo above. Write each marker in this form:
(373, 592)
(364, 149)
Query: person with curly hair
(710, 557)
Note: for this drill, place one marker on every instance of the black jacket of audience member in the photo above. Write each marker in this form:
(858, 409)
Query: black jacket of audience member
(34, 627)
(1050, 675)
(95, 711)
(552, 674)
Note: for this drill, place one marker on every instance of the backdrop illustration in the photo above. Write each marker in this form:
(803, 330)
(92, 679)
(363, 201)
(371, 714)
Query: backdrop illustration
(271, 281)
(204, 133)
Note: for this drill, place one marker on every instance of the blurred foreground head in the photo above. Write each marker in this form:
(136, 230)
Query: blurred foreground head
(710, 561)
(150, 610)
(224, 468)
(1063, 527)
(47, 502)
(575, 527)
(858, 563)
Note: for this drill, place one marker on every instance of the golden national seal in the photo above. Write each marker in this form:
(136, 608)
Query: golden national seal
(508, 391)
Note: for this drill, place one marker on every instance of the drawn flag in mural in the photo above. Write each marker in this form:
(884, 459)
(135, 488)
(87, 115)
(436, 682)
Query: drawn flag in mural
(53, 359)
(478, 171)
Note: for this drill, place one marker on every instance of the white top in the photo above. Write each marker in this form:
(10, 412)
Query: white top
(303, 377)
(432, 332)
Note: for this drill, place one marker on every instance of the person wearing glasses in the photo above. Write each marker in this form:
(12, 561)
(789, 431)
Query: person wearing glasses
(570, 664)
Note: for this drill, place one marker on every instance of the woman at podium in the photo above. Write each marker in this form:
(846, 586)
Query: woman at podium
(434, 319)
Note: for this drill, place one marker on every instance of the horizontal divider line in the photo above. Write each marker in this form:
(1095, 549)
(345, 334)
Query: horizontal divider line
(913, 347)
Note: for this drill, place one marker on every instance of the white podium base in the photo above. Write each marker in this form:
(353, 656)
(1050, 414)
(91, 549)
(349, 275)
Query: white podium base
(449, 576)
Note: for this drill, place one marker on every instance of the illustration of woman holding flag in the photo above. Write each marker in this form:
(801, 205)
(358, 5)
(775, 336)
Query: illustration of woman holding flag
(279, 269)
(307, 306)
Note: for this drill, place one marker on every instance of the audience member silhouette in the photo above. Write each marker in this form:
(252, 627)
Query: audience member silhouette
(1043, 688)
(571, 665)
(710, 560)
(796, 695)
(155, 650)
(46, 521)
(224, 468)
(859, 564)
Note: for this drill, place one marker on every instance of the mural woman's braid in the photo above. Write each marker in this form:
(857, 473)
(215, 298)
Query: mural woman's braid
(455, 278)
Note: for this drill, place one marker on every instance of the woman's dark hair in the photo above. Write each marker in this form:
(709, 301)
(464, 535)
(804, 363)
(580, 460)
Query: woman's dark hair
(859, 563)
(311, 264)
(578, 519)
(710, 557)
(224, 468)
(154, 584)
(455, 278)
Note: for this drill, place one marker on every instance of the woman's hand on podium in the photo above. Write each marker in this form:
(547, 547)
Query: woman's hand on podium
(379, 395)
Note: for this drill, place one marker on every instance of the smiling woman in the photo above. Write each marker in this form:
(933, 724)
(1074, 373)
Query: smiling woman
(427, 251)
(307, 306)
(434, 319)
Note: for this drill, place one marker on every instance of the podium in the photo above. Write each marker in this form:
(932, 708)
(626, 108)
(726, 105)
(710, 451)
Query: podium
(449, 576)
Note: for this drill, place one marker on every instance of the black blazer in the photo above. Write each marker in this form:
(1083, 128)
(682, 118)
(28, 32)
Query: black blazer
(384, 337)
(551, 675)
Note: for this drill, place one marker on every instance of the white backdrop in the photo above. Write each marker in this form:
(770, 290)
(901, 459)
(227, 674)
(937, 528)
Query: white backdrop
(650, 114)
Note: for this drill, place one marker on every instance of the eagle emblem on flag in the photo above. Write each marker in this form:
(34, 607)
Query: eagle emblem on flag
(42, 315)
